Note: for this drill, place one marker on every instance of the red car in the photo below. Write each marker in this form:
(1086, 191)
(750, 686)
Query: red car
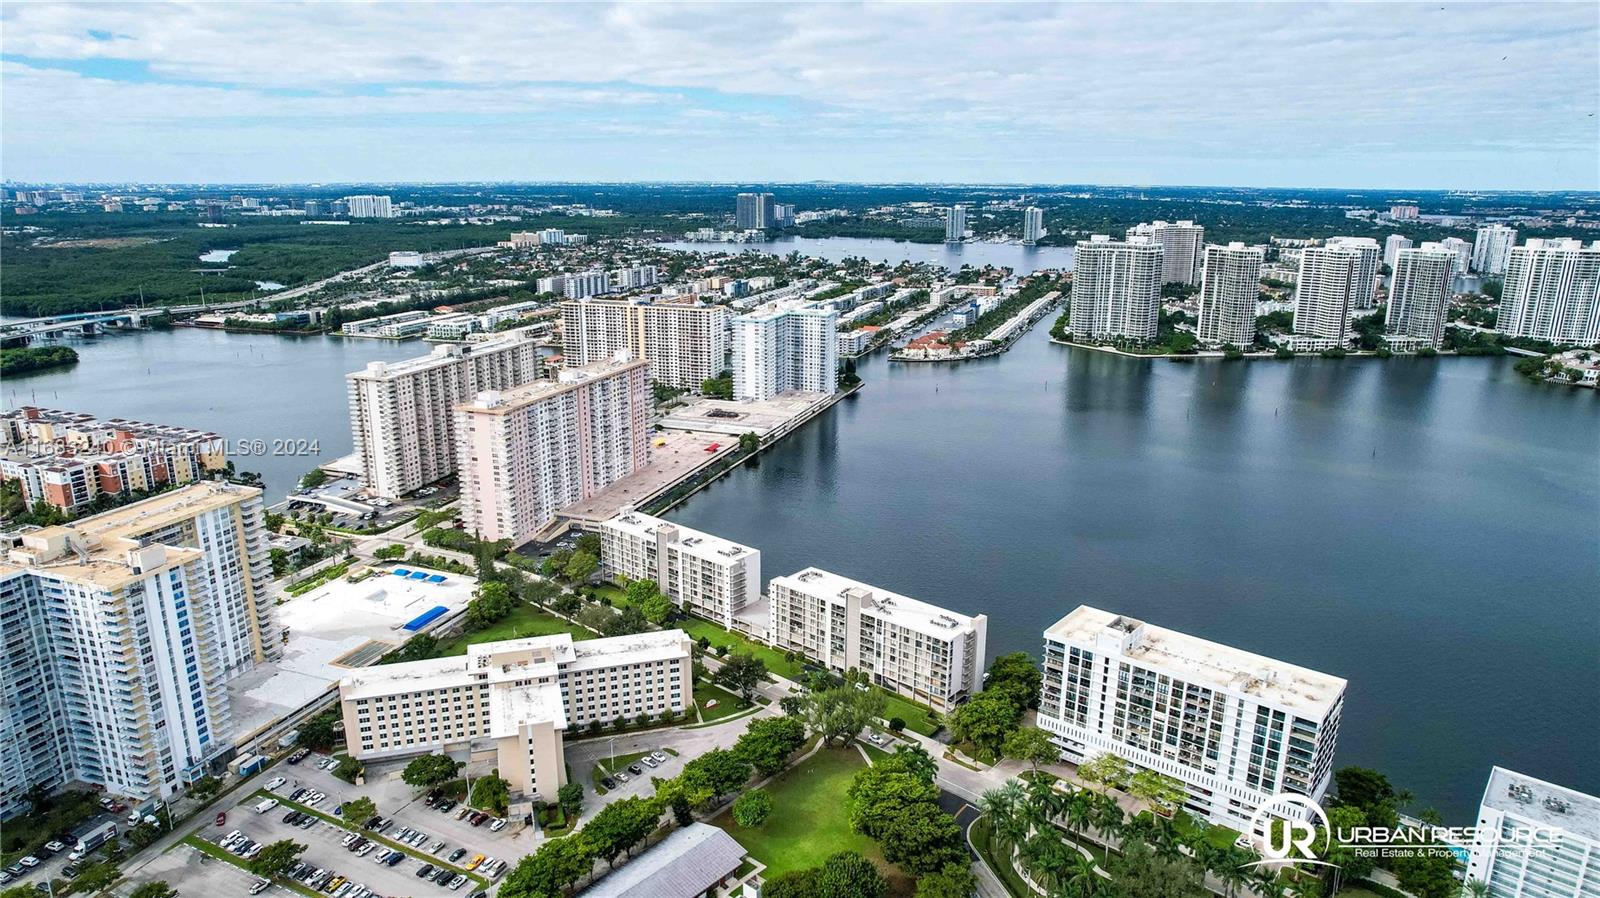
(222, 818)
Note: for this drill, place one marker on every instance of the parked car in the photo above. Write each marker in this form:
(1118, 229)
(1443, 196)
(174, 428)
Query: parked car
(498, 824)
(605, 781)
(457, 855)
(457, 881)
(660, 757)
(436, 847)
(476, 860)
(30, 862)
(621, 777)
(299, 755)
(395, 858)
(443, 876)
(276, 782)
(650, 762)
(259, 886)
(424, 870)
(55, 847)
(635, 769)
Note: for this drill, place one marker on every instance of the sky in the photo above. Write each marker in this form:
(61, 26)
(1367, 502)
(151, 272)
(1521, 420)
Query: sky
(1392, 95)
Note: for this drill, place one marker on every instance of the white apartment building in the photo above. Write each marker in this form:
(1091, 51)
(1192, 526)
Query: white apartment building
(1183, 245)
(1234, 727)
(637, 277)
(1032, 225)
(1364, 295)
(1535, 839)
(703, 574)
(369, 206)
(400, 412)
(1419, 292)
(1116, 288)
(955, 224)
(514, 700)
(785, 346)
(1229, 286)
(400, 324)
(529, 451)
(1392, 245)
(921, 651)
(120, 631)
(1491, 248)
(1330, 280)
(1550, 292)
(1462, 250)
(686, 343)
(577, 285)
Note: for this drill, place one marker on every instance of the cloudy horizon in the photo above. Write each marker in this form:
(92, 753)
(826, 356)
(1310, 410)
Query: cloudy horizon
(1345, 96)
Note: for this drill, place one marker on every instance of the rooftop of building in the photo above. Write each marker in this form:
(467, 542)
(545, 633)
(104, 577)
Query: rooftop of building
(904, 611)
(683, 865)
(97, 549)
(1543, 804)
(512, 707)
(28, 416)
(1305, 692)
(441, 355)
(639, 524)
(501, 402)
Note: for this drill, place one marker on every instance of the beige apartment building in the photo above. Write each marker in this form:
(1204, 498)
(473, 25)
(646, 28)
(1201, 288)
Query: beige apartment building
(527, 452)
(514, 700)
(921, 651)
(400, 412)
(703, 574)
(121, 631)
(685, 342)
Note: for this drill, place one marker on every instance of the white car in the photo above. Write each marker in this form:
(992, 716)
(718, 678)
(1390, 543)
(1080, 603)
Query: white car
(29, 861)
(497, 825)
(276, 782)
(875, 739)
(659, 756)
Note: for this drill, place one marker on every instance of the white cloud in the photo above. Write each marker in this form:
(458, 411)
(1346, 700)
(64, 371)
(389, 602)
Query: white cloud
(1278, 81)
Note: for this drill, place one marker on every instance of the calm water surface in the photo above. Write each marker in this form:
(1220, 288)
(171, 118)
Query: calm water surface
(1425, 529)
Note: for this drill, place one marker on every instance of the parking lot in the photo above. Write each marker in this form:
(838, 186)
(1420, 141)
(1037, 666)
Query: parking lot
(404, 805)
(193, 872)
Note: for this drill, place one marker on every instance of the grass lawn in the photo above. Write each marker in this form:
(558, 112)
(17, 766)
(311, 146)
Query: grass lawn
(524, 620)
(1357, 892)
(608, 766)
(614, 593)
(727, 702)
(698, 627)
(915, 715)
(809, 821)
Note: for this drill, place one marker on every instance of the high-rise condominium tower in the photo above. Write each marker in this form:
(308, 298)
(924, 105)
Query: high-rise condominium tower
(400, 412)
(121, 630)
(1032, 225)
(955, 224)
(1419, 292)
(1229, 286)
(529, 451)
(685, 343)
(1330, 278)
(1116, 288)
(1491, 249)
(1550, 292)
(783, 346)
(1183, 245)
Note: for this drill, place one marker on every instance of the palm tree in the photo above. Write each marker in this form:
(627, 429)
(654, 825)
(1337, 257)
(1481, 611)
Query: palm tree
(1046, 853)
(1107, 815)
(1079, 879)
(1004, 808)
(1232, 875)
(1474, 888)
(1079, 811)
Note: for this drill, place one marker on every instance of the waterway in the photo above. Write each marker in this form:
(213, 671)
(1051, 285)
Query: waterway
(244, 387)
(1424, 528)
(1021, 259)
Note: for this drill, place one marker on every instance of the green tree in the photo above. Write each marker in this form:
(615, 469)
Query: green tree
(570, 798)
(1161, 790)
(657, 609)
(589, 542)
(720, 770)
(98, 877)
(789, 884)
(1107, 769)
(986, 720)
(418, 648)
(314, 478)
(205, 788)
(1031, 744)
(1139, 873)
(895, 803)
(276, 858)
(914, 759)
(849, 875)
(842, 712)
(558, 864)
(768, 742)
(155, 888)
(320, 731)
(949, 881)
(580, 568)
(427, 771)
(492, 605)
(751, 808)
(491, 793)
(621, 825)
(348, 768)
(1018, 676)
(358, 811)
(742, 673)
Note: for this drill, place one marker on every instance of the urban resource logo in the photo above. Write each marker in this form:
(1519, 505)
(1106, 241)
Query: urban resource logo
(1293, 824)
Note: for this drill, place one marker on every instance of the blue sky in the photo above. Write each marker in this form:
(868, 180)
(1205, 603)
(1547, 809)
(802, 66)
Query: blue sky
(1429, 95)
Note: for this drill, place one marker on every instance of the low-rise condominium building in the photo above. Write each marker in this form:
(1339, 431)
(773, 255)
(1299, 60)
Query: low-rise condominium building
(702, 574)
(926, 653)
(69, 459)
(516, 699)
(1235, 728)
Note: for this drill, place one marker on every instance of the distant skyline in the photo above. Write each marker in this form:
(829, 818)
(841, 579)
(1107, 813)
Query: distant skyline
(1346, 96)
